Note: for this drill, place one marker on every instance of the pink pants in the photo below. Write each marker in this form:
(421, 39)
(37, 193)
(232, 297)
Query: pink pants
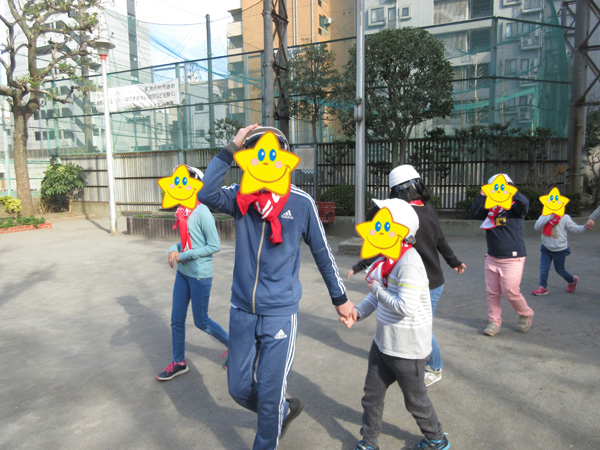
(503, 277)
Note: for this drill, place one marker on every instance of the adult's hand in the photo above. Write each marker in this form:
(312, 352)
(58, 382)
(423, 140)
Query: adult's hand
(240, 137)
(347, 313)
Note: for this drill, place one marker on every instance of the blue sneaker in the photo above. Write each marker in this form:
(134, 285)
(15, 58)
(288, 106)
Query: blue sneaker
(362, 446)
(442, 444)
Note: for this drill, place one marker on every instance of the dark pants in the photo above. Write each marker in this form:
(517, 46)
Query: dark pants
(409, 373)
(559, 265)
(261, 353)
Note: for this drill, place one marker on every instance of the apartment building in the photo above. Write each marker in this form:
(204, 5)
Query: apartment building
(504, 57)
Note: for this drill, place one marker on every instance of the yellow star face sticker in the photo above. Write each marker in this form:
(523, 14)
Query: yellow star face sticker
(499, 193)
(382, 236)
(554, 203)
(266, 166)
(180, 189)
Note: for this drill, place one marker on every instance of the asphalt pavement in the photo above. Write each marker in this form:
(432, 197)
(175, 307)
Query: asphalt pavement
(85, 328)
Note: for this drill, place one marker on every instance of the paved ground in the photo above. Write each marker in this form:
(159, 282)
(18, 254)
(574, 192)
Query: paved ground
(85, 328)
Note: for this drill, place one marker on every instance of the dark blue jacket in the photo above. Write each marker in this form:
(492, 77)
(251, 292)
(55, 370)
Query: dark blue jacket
(506, 240)
(266, 276)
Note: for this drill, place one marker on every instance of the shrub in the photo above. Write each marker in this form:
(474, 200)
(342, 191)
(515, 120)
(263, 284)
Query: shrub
(462, 207)
(60, 184)
(12, 222)
(12, 205)
(344, 198)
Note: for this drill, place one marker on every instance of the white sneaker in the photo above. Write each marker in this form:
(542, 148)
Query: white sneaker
(431, 376)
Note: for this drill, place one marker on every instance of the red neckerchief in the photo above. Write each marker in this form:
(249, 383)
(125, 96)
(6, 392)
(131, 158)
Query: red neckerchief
(416, 202)
(269, 206)
(381, 268)
(490, 221)
(182, 214)
(547, 231)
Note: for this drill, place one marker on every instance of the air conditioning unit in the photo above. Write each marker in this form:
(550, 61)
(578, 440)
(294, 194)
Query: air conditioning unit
(328, 20)
(530, 41)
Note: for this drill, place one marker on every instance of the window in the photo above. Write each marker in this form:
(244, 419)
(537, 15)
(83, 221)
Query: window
(510, 67)
(38, 136)
(199, 108)
(509, 105)
(36, 115)
(508, 30)
(376, 16)
(391, 16)
(480, 40)
(406, 12)
(96, 132)
(67, 134)
(480, 8)
(524, 67)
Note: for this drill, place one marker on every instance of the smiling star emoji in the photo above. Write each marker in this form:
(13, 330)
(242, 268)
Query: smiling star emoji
(266, 166)
(180, 189)
(499, 193)
(554, 203)
(382, 236)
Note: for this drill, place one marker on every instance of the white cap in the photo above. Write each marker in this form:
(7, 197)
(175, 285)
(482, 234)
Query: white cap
(402, 213)
(255, 134)
(402, 174)
(196, 173)
(493, 177)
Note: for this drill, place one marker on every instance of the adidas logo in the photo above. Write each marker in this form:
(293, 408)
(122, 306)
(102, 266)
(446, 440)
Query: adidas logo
(280, 335)
(287, 215)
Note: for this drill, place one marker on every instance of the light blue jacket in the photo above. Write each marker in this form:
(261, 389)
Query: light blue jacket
(197, 262)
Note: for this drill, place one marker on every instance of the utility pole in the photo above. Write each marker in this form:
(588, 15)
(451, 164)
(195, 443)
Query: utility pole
(268, 72)
(359, 116)
(281, 68)
(577, 118)
(211, 105)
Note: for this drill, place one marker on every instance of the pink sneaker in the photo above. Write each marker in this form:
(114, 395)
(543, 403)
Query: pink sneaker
(542, 291)
(571, 286)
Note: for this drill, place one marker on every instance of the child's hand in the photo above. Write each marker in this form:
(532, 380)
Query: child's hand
(350, 273)
(589, 224)
(460, 269)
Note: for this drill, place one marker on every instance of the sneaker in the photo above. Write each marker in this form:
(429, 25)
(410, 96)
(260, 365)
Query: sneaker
(442, 444)
(294, 410)
(492, 329)
(432, 375)
(571, 286)
(525, 323)
(173, 370)
(540, 291)
(362, 446)
(224, 355)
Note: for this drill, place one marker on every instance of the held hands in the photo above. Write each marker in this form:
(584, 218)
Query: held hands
(347, 313)
(460, 269)
(173, 259)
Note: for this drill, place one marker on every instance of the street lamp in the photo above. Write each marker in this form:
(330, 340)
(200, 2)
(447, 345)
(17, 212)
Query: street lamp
(103, 47)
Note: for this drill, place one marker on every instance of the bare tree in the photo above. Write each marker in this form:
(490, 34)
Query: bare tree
(45, 40)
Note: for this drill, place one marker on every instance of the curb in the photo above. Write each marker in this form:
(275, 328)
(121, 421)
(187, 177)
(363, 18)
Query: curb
(25, 228)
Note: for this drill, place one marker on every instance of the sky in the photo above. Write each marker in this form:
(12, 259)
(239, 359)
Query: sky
(180, 27)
